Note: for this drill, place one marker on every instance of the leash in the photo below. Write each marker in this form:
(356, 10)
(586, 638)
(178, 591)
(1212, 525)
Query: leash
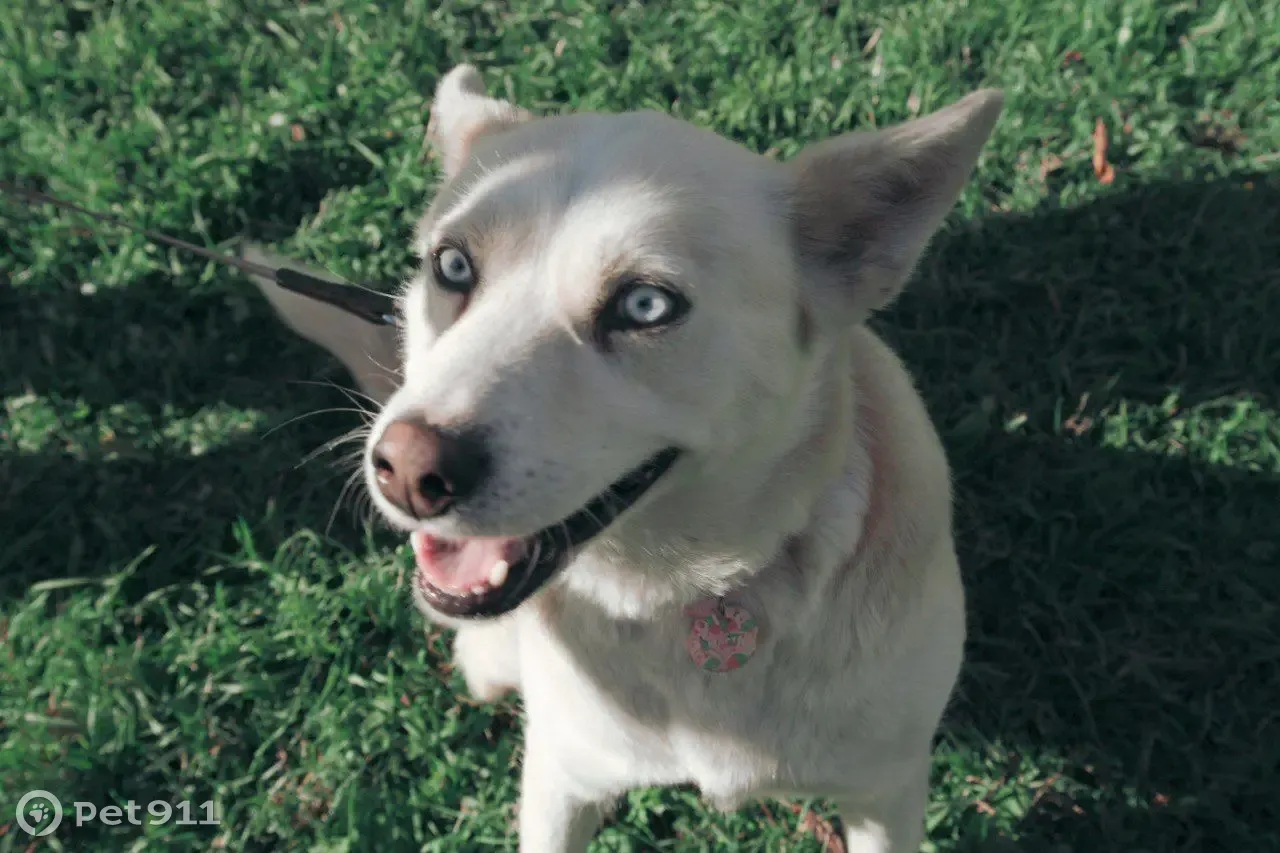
(370, 305)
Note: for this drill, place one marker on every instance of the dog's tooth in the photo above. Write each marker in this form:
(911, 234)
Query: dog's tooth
(479, 589)
(498, 574)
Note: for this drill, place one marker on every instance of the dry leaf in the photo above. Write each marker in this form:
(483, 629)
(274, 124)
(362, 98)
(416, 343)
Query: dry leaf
(1104, 171)
(1219, 135)
(873, 41)
(1077, 425)
(822, 830)
(1049, 164)
(298, 133)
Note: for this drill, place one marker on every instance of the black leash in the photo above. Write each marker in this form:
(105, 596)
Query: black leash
(369, 305)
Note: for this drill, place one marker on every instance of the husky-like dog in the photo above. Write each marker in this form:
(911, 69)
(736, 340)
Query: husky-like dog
(655, 468)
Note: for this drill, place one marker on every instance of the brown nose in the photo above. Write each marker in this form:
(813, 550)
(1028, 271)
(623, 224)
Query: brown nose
(423, 471)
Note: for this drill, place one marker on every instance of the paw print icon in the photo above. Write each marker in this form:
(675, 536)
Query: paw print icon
(39, 813)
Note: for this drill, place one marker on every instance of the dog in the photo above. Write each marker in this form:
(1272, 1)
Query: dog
(655, 468)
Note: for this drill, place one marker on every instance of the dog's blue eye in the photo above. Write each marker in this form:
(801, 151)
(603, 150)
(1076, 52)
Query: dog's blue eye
(453, 269)
(639, 306)
(645, 305)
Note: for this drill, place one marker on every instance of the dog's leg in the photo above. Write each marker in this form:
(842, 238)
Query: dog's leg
(489, 657)
(554, 816)
(889, 823)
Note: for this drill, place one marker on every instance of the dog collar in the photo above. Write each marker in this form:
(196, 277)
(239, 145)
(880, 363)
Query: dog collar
(722, 635)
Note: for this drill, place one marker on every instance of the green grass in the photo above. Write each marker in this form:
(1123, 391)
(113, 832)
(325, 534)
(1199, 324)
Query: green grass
(180, 621)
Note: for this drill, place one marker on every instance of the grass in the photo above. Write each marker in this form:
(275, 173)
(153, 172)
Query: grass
(180, 621)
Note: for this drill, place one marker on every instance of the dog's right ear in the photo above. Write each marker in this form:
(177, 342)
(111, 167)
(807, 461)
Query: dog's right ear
(369, 351)
(462, 112)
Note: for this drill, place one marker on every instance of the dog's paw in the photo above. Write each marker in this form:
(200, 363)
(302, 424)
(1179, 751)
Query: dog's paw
(487, 691)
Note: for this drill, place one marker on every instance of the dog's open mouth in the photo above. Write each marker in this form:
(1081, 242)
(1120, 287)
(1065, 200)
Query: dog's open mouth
(489, 576)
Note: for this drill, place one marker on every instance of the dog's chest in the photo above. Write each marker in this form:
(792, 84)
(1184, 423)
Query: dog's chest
(635, 702)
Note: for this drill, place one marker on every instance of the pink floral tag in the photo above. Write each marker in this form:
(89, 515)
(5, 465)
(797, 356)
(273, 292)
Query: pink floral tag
(722, 637)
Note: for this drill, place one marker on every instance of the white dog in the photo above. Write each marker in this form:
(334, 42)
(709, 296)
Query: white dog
(656, 470)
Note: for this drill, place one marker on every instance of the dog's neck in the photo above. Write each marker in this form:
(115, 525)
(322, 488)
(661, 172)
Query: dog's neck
(657, 561)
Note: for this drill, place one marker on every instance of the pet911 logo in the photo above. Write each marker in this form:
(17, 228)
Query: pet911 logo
(39, 813)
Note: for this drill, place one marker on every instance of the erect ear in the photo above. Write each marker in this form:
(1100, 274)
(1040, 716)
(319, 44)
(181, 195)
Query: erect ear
(865, 204)
(461, 112)
(369, 351)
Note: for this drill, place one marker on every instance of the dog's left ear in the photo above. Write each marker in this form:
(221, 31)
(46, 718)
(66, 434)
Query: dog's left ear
(864, 205)
(462, 112)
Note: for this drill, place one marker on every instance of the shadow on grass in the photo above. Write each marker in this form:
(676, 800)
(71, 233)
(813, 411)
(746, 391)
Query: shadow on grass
(157, 414)
(144, 417)
(1122, 618)
(1123, 603)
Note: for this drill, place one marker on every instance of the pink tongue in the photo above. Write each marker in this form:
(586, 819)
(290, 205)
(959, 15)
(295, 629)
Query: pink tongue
(459, 565)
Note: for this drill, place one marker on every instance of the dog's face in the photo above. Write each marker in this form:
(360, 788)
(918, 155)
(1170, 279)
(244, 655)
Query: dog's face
(614, 318)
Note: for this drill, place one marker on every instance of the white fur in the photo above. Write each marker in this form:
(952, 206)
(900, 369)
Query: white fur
(813, 489)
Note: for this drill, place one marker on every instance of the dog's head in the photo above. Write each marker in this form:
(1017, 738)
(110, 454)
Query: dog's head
(616, 320)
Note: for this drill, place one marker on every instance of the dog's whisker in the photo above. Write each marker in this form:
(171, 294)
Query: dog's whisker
(342, 459)
(358, 398)
(387, 371)
(348, 464)
(350, 393)
(570, 552)
(532, 560)
(352, 482)
(597, 519)
(614, 503)
(350, 458)
(367, 512)
(329, 447)
(302, 417)
(356, 434)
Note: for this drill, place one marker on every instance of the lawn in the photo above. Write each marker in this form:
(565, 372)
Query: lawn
(191, 609)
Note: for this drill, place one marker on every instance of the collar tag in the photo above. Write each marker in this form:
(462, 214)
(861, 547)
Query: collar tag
(722, 635)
